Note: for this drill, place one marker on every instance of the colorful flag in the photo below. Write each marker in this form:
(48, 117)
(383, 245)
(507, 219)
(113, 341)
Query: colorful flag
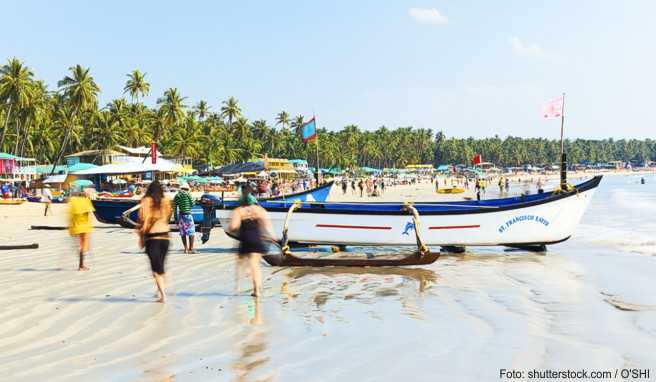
(309, 130)
(477, 159)
(553, 108)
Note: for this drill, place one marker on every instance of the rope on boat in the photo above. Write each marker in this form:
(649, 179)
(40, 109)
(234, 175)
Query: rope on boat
(423, 249)
(284, 243)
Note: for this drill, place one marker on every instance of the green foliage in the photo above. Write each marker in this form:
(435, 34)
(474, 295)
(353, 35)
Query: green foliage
(43, 124)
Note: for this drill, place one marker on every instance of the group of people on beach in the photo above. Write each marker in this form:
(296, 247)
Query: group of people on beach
(373, 186)
(249, 224)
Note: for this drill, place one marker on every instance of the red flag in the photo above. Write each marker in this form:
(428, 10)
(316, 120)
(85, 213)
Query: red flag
(477, 159)
(153, 153)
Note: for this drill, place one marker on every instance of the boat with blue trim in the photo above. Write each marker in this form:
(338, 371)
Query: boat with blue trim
(111, 210)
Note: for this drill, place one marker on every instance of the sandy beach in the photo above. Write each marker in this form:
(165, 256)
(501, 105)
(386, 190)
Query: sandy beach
(587, 303)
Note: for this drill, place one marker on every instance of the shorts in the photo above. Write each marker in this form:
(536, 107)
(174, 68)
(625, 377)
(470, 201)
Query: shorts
(186, 225)
(157, 249)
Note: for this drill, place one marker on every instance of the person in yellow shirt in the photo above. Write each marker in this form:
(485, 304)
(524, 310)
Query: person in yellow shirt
(79, 210)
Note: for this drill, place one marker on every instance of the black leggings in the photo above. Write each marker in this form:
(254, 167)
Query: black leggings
(157, 249)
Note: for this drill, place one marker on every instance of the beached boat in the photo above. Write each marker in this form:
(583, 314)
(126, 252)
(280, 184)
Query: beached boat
(454, 190)
(11, 202)
(527, 221)
(110, 211)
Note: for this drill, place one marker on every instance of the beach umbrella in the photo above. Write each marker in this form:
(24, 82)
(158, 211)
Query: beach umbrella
(82, 183)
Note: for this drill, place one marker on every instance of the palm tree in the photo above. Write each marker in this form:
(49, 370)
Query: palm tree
(107, 132)
(81, 92)
(297, 124)
(242, 128)
(15, 91)
(136, 85)
(185, 142)
(171, 110)
(230, 110)
(37, 110)
(202, 109)
(282, 119)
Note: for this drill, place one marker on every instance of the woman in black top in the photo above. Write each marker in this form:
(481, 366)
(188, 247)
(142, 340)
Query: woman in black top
(253, 228)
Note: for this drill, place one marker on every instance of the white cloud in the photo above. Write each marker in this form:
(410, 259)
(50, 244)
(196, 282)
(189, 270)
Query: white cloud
(428, 15)
(524, 48)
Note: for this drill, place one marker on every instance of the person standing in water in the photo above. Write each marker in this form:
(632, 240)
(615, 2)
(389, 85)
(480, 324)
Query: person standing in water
(153, 230)
(79, 222)
(183, 203)
(252, 226)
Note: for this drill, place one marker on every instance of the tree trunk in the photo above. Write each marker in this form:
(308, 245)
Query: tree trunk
(26, 134)
(18, 136)
(4, 130)
(61, 150)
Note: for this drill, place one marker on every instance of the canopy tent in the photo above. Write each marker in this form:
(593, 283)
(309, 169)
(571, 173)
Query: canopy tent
(332, 170)
(133, 168)
(80, 166)
(14, 157)
(239, 168)
(443, 167)
(370, 170)
(55, 179)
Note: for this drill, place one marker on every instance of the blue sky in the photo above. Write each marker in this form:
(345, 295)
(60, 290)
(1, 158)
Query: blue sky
(468, 68)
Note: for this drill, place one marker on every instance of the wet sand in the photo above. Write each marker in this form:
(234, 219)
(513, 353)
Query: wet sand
(587, 303)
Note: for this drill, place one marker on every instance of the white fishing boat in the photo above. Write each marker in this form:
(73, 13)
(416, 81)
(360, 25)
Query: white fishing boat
(524, 221)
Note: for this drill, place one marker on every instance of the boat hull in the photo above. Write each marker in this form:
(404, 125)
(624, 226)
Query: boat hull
(110, 211)
(545, 219)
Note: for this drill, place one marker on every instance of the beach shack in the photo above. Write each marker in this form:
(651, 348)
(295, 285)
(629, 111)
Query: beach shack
(420, 169)
(115, 174)
(279, 167)
(16, 169)
(300, 165)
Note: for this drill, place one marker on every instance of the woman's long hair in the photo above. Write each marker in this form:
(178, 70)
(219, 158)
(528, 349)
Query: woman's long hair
(247, 197)
(156, 193)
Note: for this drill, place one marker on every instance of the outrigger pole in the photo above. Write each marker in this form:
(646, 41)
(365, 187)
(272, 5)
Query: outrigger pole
(563, 156)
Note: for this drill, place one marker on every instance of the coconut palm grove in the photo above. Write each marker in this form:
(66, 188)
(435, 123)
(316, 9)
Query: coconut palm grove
(48, 124)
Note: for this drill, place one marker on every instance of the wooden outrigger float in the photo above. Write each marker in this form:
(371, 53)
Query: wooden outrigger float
(286, 258)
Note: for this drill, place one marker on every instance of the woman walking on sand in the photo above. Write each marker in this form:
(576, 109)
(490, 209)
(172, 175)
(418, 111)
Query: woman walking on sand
(251, 224)
(79, 223)
(154, 215)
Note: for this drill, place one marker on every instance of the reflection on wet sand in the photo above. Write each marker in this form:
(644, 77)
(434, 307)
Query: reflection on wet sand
(157, 365)
(498, 256)
(362, 285)
(253, 349)
(423, 276)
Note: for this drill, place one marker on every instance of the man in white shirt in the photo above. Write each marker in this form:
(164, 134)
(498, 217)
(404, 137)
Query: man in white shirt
(46, 197)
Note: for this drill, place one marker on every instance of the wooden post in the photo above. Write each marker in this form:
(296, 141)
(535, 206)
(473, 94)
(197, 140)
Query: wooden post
(317, 142)
(563, 156)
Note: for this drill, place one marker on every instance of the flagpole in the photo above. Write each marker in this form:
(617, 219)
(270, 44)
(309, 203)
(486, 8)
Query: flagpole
(317, 151)
(563, 156)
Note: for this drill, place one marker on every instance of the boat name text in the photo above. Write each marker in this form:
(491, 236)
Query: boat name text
(523, 218)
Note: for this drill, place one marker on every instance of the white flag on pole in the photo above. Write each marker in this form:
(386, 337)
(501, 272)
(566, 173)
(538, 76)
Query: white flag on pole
(553, 108)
